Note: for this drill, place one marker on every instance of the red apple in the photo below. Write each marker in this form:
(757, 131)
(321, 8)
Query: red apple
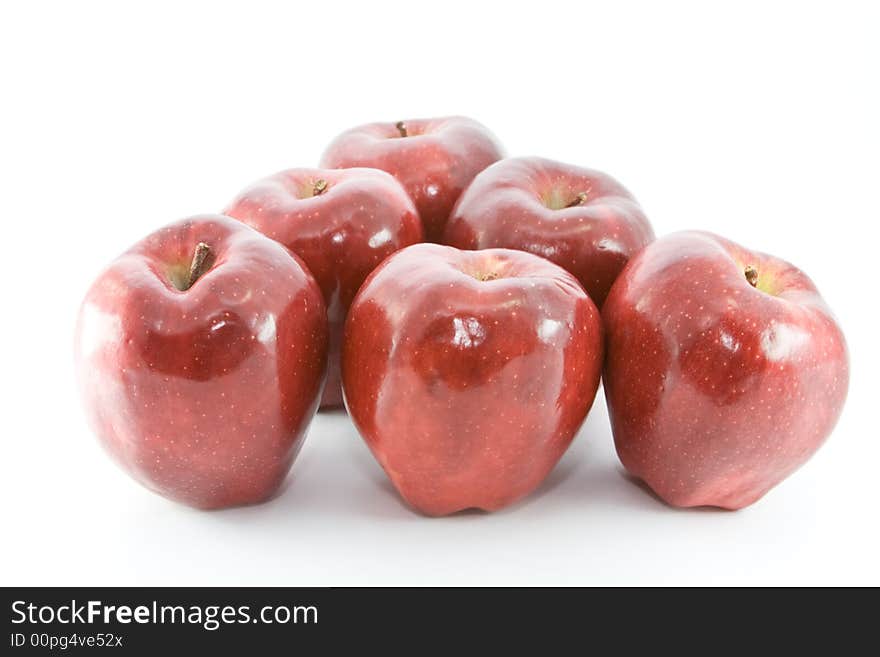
(468, 373)
(201, 354)
(435, 159)
(725, 370)
(342, 223)
(581, 219)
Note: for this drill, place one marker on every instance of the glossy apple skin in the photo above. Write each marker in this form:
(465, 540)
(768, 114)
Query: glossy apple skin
(204, 395)
(342, 234)
(519, 203)
(718, 390)
(469, 391)
(435, 162)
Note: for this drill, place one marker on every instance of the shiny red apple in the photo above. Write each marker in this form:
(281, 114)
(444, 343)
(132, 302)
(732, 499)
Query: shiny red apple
(725, 370)
(581, 219)
(468, 373)
(342, 223)
(200, 355)
(434, 159)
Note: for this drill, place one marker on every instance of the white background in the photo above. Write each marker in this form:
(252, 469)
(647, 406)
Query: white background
(758, 121)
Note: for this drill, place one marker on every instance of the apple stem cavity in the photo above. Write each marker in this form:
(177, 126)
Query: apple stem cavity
(200, 263)
(319, 187)
(484, 276)
(751, 275)
(401, 128)
(580, 199)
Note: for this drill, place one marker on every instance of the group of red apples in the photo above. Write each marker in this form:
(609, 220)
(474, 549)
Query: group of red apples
(463, 306)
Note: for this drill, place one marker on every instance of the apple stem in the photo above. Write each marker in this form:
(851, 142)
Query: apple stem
(580, 199)
(751, 275)
(319, 187)
(199, 263)
(401, 128)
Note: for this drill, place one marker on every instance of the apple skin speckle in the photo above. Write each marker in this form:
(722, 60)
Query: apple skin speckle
(468, 373)
(717, 389)
(203, 395)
